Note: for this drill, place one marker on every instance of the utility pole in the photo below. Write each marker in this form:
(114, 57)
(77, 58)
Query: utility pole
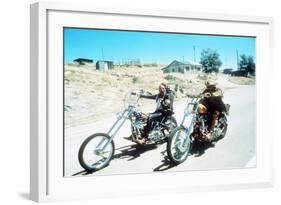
(194, 58)
(102, 54)
(183, 70)
(237, 60)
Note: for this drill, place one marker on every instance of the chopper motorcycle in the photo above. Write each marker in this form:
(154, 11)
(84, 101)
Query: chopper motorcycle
(193, 129)
(97, 150)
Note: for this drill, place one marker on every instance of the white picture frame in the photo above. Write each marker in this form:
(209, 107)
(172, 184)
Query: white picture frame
(46, 179)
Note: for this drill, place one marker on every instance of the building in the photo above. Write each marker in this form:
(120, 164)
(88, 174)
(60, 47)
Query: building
(181, 67)
(227, 70)
(132, 62)
(104, 65)
(83, 61)
(240, 73)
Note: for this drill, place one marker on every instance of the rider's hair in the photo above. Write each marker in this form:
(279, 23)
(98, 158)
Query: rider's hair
(164, 84)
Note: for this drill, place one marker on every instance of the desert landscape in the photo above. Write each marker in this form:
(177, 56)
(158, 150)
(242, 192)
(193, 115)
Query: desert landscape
(91, 95)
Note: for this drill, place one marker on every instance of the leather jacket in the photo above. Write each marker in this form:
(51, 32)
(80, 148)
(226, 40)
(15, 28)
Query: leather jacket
(164, 103)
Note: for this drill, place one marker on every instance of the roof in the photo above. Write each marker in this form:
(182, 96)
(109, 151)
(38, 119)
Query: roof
(195, 63)
(104, 61)
(176, 62)
(83, 59)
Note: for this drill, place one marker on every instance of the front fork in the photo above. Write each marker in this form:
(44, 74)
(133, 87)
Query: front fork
(188, 132)
(113, 131)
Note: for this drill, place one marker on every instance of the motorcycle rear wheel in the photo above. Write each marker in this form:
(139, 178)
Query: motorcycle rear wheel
(222, 135)
(93, 159)
(172, 124)
(224, 130)
(177, 153)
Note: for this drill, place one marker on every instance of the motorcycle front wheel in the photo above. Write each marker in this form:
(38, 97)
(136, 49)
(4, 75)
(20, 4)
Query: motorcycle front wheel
(93, 155)
(178, 146)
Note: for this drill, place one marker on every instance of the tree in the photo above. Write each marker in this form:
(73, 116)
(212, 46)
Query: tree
(210, 60)
(247, 63)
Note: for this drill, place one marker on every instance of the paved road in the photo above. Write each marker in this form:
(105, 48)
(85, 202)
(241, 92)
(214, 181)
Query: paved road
(236, 150)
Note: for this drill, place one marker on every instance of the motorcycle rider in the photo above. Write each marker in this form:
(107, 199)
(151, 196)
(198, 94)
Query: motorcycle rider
(164, 107)
(213, 105)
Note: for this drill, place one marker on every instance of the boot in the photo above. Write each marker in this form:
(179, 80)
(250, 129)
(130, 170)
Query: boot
(141, 141)
(210, 136)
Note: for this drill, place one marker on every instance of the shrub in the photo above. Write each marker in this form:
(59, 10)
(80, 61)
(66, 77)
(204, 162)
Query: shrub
(170, 78)
(136, 79)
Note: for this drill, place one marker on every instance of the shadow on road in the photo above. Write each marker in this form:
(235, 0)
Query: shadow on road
(133, 151)
(84, 172)
(199, 148)
(166, 164)
(130, 151)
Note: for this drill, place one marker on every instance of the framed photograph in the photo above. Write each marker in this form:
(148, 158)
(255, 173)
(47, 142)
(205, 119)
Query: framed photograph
(133, 102)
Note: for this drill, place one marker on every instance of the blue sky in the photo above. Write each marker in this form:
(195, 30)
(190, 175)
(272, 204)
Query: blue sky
(152, 46)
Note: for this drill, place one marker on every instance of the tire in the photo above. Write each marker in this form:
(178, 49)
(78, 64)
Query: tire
(224, 131)
(172, 120)
(222, 135)
(85, 148)
(176, 153)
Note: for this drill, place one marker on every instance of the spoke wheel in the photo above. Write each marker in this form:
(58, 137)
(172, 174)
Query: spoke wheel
(177, 150)
(91, 155)
(172, 123)
(222, 132)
